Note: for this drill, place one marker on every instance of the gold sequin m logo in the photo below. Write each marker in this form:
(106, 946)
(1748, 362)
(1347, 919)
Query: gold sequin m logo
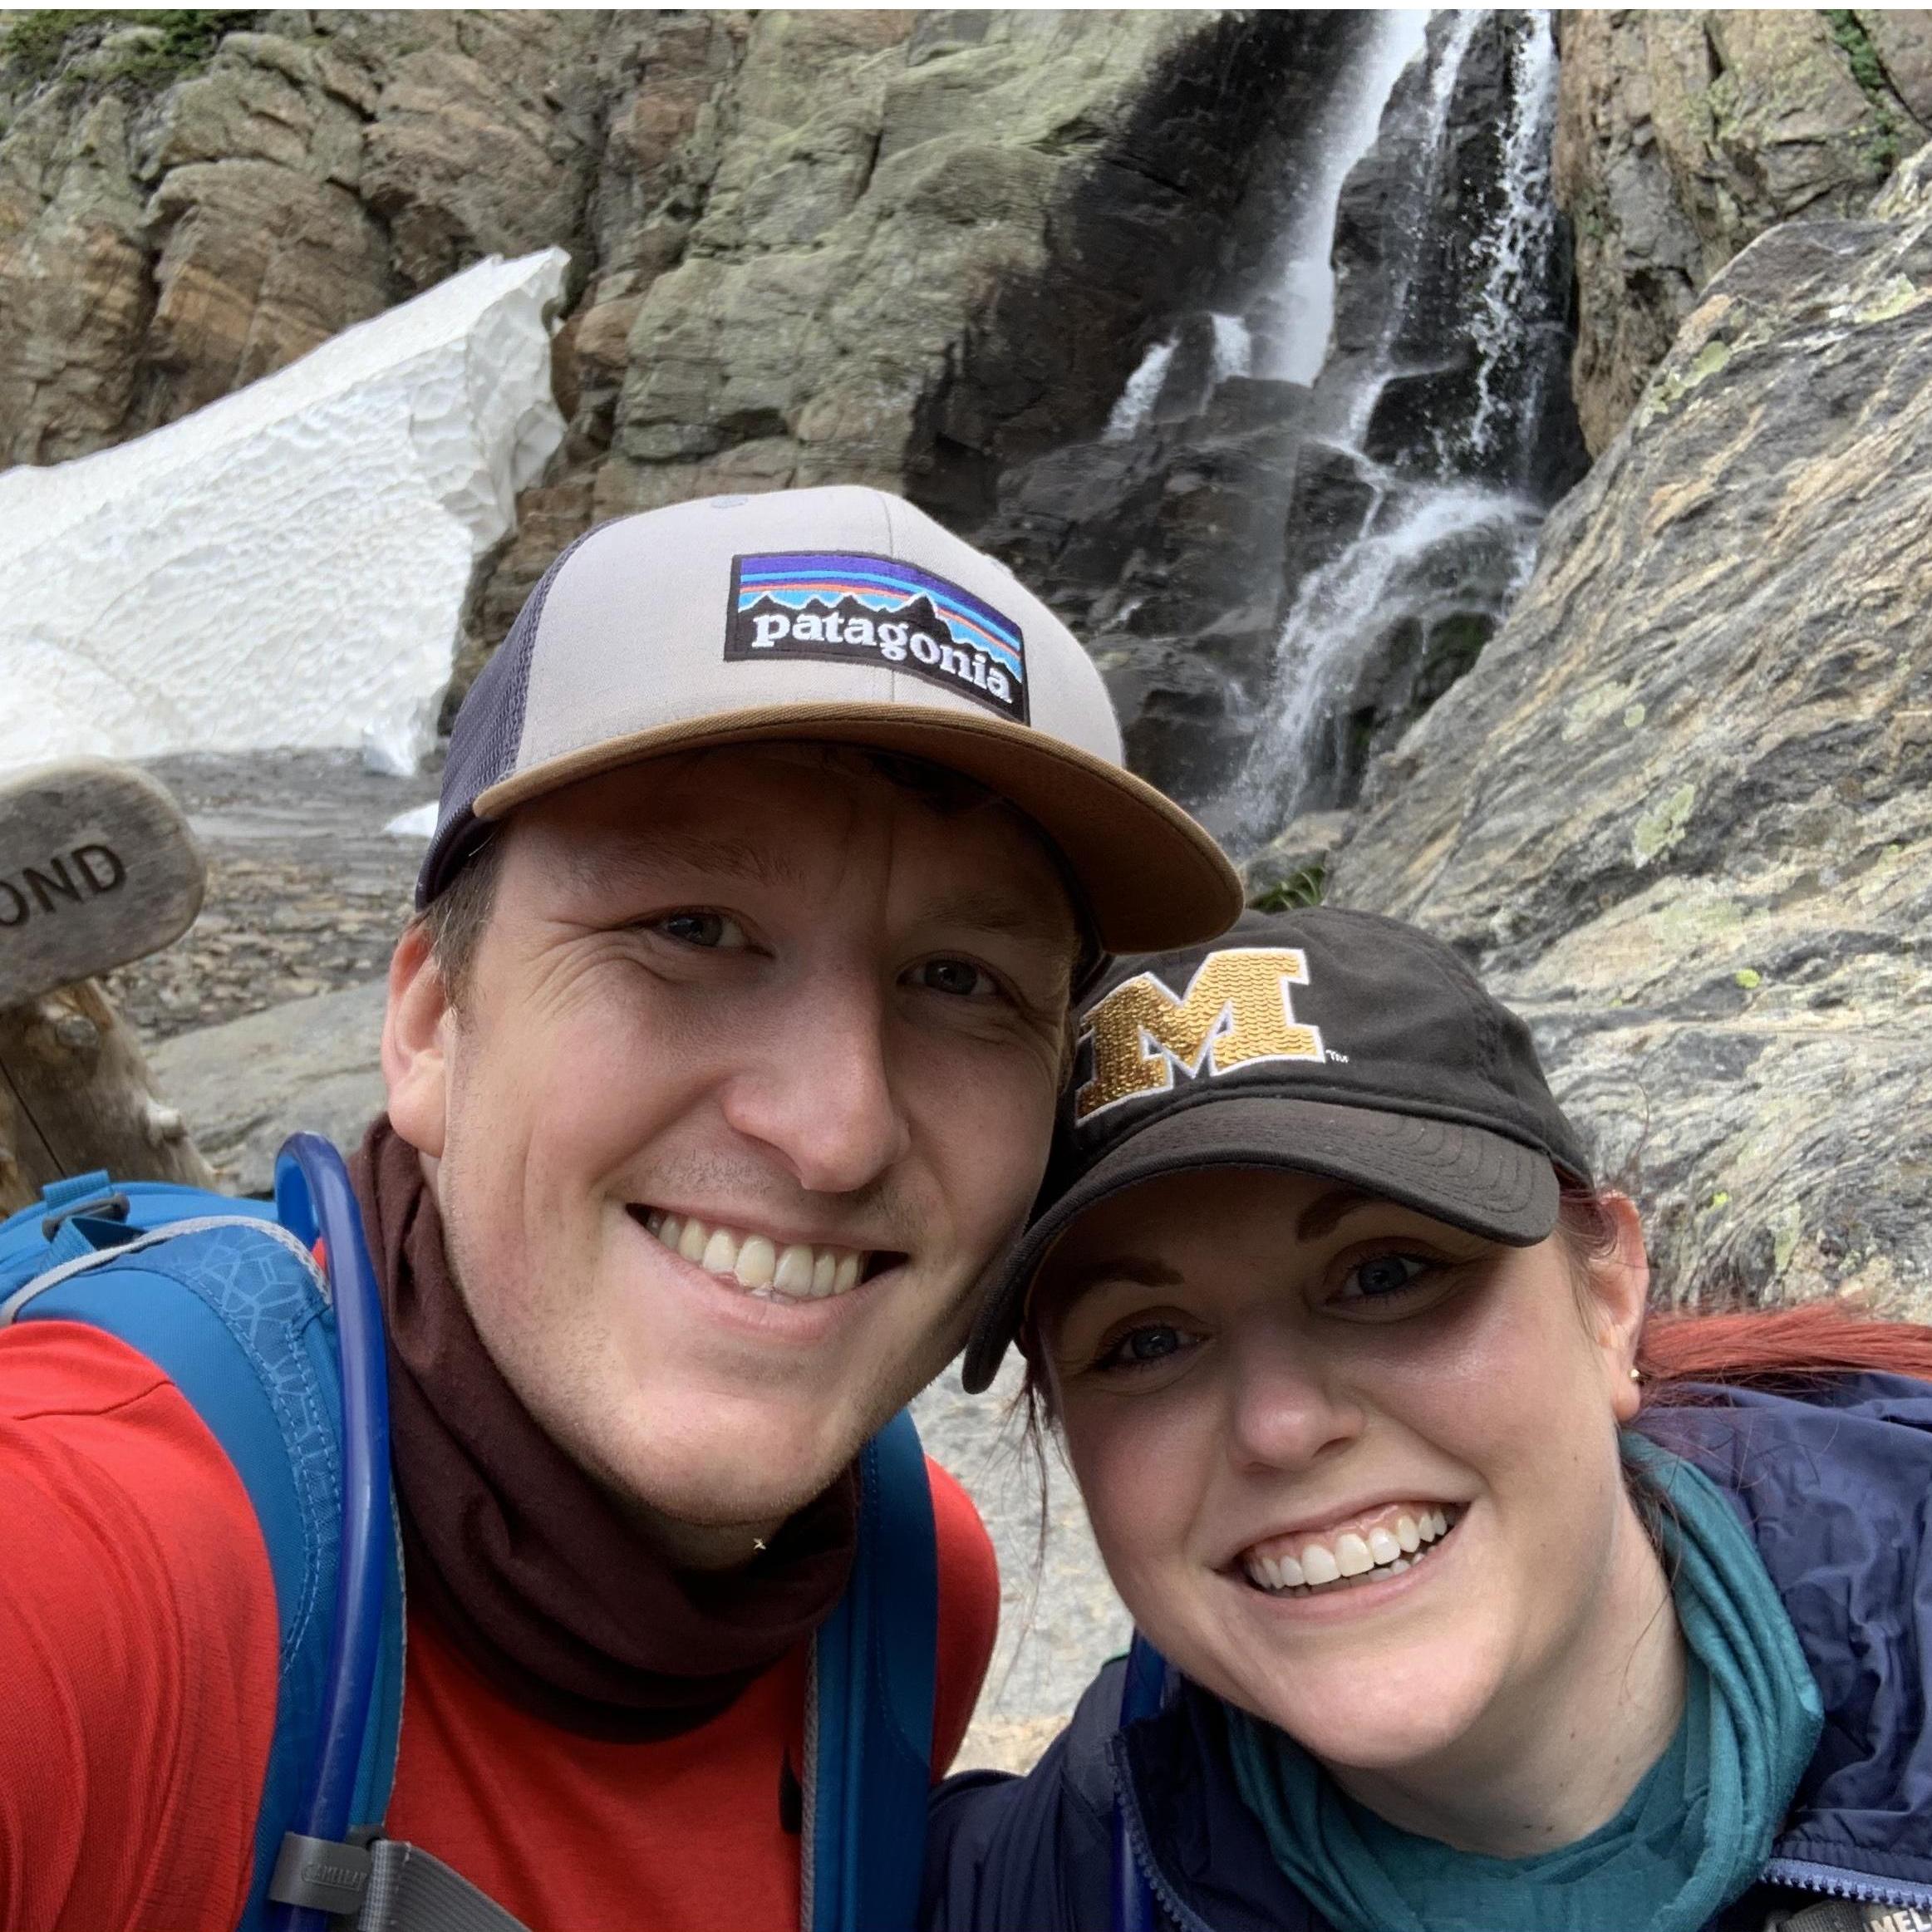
(1235, 1012)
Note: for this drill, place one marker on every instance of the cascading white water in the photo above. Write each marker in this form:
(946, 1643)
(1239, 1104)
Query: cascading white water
(1234, 349)
(1519, 242)
(1130, 414)
(1304, 295)
(1448, 70)
(1427, 542)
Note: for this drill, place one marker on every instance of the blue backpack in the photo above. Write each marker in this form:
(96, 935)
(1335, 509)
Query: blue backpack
(267, 1319)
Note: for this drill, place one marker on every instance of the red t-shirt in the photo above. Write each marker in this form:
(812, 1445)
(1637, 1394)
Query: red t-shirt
(138, 1657)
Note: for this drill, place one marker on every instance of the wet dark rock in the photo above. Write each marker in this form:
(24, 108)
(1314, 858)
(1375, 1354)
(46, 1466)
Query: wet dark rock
(1680, 811)
(1328, 509)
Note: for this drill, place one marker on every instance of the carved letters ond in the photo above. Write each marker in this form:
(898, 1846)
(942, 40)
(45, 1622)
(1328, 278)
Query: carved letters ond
(97, 867)
(94, 869)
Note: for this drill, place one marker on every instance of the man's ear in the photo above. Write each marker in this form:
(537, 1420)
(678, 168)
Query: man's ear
(415, 1031)
(1620, 1290)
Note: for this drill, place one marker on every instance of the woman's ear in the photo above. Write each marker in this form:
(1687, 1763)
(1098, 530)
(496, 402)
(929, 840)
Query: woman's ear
(415, 1039)
(1620, 1291)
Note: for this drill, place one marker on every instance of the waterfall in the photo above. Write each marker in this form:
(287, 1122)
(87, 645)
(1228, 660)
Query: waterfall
(1304, 297)
(1517, 244)
(1438, 414)
(1137, 399)
(1321, 486)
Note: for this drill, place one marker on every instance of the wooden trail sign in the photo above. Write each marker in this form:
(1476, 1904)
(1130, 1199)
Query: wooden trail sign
(97, 867)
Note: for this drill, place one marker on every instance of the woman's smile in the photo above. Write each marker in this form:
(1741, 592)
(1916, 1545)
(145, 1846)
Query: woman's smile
(1387, 1543)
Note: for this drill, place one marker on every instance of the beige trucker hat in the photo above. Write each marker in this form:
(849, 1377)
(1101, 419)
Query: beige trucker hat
(842, 615)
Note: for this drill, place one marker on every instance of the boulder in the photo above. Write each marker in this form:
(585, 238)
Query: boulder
(1680, 812)
(1681, 137)
(245, 1086)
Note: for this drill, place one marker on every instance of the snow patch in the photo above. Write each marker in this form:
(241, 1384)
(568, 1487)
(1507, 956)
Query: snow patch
(287, 566)
(418, 822)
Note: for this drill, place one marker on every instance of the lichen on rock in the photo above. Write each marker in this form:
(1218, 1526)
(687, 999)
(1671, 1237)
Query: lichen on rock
(1683, 136)
(1718, 925)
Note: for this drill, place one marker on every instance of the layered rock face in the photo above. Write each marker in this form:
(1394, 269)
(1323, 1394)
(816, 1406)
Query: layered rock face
(892, 248)
(1682, 136)
(1679, 812)
(176, 222)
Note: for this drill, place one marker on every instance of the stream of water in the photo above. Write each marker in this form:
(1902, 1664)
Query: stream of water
(1449, 533)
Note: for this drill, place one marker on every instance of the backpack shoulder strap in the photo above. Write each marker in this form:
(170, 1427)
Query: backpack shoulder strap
(234, 1309)
(868, 1712)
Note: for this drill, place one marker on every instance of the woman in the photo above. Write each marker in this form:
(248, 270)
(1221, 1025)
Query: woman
(1477, 1612)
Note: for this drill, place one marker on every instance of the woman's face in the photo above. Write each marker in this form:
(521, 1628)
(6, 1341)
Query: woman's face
(1351, 1469)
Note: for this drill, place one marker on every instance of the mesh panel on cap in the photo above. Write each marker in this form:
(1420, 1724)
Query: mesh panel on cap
(489, 728)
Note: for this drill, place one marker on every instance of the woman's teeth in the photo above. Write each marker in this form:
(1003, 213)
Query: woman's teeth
(794, 1273)
(1395, 1544)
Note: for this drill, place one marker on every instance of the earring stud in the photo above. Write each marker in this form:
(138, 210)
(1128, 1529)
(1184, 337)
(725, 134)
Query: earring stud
(1636, 1374)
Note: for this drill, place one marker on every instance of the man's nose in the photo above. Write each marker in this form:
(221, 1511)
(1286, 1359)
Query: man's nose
(820, 1093)
(1287, 1410)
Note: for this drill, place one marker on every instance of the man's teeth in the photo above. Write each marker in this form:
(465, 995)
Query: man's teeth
(1393, 1545)
(793, 1273)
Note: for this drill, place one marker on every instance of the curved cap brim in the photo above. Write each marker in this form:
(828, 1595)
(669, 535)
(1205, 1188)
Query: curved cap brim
(1466, 1177)
(1153, 878)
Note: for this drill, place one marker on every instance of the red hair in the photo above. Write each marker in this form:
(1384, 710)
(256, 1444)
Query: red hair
(1767, 1345)
(1761, 1346)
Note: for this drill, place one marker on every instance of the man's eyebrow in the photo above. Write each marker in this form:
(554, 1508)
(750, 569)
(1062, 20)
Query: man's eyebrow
(997, 912)
(598, 864)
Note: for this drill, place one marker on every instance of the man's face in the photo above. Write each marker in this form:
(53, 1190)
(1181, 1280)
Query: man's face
(755, 1068)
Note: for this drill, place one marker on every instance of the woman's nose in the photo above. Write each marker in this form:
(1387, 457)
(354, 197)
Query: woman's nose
(1286, 1408)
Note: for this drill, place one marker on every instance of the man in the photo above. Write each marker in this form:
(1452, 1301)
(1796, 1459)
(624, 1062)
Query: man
(722, 1058)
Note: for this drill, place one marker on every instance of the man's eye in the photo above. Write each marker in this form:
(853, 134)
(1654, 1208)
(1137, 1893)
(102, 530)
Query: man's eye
(959, 977)
(1153, 1341)
(1383, 1275)
(711, 930)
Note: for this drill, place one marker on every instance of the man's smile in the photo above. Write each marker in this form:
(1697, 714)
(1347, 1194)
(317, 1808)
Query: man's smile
(763, 1265)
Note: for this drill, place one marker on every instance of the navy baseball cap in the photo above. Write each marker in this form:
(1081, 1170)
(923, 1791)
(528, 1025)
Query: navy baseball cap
(842, 615)
(1320, 1041)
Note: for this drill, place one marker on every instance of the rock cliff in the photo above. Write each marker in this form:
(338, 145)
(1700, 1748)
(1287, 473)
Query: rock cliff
(897, 248)
(1681, 810)
(1682, 136)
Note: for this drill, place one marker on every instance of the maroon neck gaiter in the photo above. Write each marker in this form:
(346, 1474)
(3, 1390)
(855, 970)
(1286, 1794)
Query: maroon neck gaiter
(548, 1587)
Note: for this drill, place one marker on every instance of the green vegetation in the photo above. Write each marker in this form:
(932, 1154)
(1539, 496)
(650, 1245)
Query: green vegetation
(31, 47)
(45, 44)
(1880, 152)
(1867, 70)
(1303, 887)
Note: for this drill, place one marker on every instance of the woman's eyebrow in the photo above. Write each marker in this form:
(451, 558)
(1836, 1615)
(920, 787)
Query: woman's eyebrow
(1327, 1212)
(1143, 1272)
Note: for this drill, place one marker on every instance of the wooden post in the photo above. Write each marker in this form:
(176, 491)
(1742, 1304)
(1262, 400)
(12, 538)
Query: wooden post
(72, 1076)
(97, 867)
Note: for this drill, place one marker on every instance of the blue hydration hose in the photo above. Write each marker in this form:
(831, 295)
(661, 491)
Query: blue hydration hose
(1144, 1689)
(313, 1199)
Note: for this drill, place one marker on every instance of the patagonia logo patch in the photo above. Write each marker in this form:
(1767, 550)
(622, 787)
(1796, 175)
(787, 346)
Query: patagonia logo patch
(845, 607)
(1236, 1010)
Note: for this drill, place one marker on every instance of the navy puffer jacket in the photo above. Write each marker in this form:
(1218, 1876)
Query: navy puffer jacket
(1836, 1485)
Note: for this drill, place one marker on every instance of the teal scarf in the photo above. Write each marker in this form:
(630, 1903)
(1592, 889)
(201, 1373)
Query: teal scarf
(1695, 1833)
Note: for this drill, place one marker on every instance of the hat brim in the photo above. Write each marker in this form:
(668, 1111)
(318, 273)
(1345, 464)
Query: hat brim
(1467, 1176)
(1154, 879)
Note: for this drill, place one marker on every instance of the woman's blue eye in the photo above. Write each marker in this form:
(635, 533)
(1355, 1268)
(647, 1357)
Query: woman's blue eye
(1154, 1343)
(1383, 1274)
